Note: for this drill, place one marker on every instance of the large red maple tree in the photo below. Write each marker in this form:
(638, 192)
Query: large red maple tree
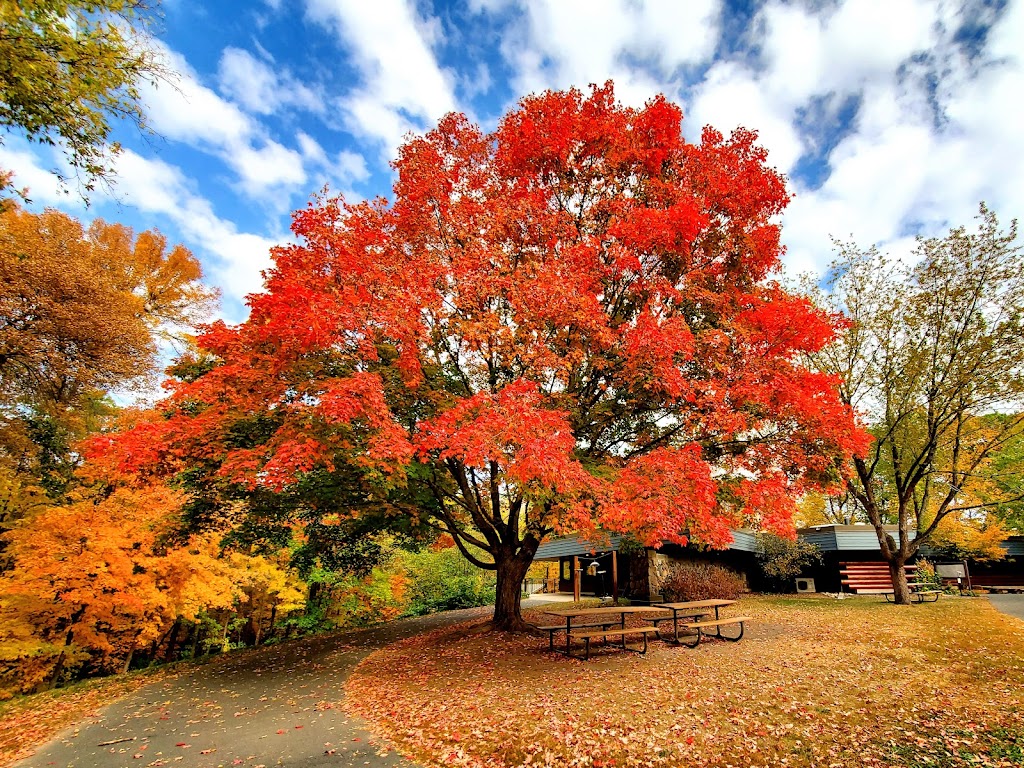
(568, 324)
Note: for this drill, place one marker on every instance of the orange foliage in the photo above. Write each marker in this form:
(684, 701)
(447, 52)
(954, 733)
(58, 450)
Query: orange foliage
(81, 305)
(97, 575)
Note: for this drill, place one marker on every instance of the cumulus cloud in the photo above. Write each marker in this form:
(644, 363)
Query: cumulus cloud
(403, 87)
(645, 46)
(42, 185)
(339, 171)
(194, 114)
(261, 88)
(932, 130)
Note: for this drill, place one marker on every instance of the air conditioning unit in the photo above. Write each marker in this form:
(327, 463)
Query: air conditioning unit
(805, 585)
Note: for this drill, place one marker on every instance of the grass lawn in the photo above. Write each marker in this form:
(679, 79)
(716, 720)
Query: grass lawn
(815, 682)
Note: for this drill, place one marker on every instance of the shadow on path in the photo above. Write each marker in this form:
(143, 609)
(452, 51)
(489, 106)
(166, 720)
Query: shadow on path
(276, 706)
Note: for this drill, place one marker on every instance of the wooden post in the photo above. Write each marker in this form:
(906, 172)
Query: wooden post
(615, 577)
(576, 578)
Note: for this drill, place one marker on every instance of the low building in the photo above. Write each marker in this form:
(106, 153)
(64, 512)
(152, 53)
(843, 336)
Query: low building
(606, 568)
(859, 544)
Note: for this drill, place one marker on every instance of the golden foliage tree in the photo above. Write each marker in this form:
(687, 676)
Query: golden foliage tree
(78, 307)
(68, 69)
(100, 575)
(80, 312)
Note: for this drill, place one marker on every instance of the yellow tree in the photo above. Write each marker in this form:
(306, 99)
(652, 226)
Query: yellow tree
(99, 574)
(68, 68)
(80, 312)
(932, 360)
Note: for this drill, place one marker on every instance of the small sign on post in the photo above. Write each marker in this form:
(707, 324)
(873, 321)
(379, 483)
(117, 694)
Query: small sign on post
(954, 573)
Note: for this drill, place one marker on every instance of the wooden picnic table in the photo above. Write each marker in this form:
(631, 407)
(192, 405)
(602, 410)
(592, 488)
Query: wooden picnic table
(692, 609)
(610, 610)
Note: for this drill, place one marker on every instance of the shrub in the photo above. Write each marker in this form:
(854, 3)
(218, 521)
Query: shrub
(701, 581)
(782, 560)
(443, 581)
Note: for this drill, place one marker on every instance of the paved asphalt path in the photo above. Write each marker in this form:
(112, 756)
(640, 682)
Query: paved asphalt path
(1011, 604)
(278, 706)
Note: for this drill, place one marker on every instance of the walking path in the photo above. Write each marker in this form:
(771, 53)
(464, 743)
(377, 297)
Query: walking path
(1009, 604)
(276, 706)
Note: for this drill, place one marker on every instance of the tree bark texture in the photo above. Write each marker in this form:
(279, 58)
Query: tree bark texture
(511, 570)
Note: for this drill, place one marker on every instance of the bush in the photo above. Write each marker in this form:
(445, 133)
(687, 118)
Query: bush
(444, 580)
(701, 581)
(782, 560)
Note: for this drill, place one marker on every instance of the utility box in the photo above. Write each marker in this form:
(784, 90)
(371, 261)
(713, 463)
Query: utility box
(805, 585)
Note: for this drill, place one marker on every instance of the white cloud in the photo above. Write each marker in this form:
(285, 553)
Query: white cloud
(403, 87)
(934, 132)
(154, 187)
(808, 53)
(259, 88)
(191, 113)
(732, 97)
(567, 43)
(339, 171)
(43, 186)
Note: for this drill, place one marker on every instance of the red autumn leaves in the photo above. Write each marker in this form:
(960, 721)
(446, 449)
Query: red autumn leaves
(574, 312)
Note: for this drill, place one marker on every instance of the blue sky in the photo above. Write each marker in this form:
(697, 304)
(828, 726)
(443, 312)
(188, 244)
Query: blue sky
(889, 117)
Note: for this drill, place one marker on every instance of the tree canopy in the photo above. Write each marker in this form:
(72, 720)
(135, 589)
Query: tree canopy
(569, 324)
(933, 360)
(81, 311)
(68, 68)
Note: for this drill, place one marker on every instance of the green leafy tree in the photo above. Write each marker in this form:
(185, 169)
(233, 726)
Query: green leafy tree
(68, 69)
(782, 559)
(932, 352)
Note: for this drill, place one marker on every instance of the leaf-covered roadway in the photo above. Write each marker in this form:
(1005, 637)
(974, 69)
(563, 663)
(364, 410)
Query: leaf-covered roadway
(277, 706)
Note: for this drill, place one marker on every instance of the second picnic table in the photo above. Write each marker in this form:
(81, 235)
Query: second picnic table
(691, 610)
(592, 613)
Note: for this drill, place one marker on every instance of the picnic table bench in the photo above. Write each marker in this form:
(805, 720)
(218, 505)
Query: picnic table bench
(875, 579)
(717, 624)
(553, 628)
(693, 610)
(621, 632)
(601, 625)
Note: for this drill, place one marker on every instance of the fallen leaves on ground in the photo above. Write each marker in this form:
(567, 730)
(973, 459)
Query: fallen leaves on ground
(815, 682)
(29, 721)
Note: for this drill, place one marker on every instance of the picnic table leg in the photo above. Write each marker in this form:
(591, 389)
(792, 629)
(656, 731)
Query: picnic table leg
(696, 641)
(568, 627)
(675, 624)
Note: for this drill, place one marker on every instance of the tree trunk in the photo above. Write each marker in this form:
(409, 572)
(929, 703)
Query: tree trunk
(901, 594)
(273, 618)
(129, 657)
(172, 640)
(896, 553)
(511, 569)
(195, 638)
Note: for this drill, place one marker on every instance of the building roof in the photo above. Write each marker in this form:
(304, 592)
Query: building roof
(568, 546)
(843, 538)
